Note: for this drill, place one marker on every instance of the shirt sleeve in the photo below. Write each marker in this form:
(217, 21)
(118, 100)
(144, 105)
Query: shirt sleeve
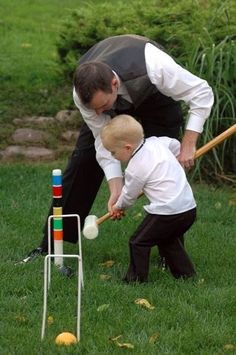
(110, 166)
(176, 82)
(131, 190)
(172, 144)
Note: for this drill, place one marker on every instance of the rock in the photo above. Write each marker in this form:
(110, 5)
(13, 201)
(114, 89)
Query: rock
(36, 153)
(41, 120)
(66, 116)
(29, 135)
(33, 134)
(70, 136)
(32, 153)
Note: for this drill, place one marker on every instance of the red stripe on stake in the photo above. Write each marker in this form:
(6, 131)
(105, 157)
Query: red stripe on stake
(57, 191)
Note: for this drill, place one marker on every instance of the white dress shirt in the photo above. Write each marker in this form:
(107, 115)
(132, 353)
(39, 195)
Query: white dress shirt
(155, 170)
(171, 80)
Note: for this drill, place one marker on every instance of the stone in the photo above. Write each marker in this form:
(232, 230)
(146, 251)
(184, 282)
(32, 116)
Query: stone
(66, 116)
(31, 153)
(69, 136)
(29, 135)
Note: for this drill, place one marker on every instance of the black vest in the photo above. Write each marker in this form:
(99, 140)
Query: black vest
(125, 55)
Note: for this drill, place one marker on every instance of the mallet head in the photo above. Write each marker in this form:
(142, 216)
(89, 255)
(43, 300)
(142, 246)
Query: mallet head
(90, 230)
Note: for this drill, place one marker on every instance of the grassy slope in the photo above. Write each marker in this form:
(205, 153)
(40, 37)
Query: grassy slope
(28, 75)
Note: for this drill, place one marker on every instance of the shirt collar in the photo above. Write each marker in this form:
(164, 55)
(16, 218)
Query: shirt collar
(138, 148)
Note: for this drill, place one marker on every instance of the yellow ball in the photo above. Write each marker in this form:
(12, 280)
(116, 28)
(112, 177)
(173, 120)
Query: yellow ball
(66, 338)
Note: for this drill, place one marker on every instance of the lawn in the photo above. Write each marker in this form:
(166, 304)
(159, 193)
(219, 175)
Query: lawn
(29, 80)
(192, 317)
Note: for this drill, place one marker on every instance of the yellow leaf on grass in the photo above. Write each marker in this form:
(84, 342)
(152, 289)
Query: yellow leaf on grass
(50, 320)
(137, 216)
(144, 303)
(20, 318)
(103, 307)
(125, 345)
(115, 338)
(105, 277)
(108, 263)
(121, 345)
(26, 45)
(229, 347)
(232, 202)
(218, 205)
(153, 338)
(201, 281)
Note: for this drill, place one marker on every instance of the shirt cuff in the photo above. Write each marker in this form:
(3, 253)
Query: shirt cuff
(113, 170)
(195, 123)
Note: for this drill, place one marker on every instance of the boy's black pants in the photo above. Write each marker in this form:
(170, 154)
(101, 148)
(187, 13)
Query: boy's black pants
(165, 232)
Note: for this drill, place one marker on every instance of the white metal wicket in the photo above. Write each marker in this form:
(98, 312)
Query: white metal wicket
(79, 240)
(47, 272)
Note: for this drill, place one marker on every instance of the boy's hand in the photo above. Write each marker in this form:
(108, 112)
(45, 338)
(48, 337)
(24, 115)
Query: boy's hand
(116, 213)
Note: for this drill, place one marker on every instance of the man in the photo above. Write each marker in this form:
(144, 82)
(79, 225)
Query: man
(133, 75)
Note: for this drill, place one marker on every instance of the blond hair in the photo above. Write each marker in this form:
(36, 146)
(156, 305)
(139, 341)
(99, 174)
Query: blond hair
(123, 128)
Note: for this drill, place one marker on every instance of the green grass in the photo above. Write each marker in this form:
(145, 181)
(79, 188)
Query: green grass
(29, 80)
(193, 317)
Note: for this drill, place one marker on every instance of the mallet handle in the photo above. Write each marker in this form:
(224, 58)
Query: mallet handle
(103, 218)
(215, 141)
(208, 146)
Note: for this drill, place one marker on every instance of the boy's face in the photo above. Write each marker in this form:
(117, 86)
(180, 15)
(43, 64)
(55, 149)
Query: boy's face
(103, 101)
(121, 151)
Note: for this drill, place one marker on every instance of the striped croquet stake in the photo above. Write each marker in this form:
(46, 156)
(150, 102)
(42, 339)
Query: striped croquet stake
(57, 211)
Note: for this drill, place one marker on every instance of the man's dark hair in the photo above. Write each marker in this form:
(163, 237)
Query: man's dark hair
(91, 77)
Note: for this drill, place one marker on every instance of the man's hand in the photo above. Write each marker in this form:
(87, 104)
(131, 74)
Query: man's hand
(115, 187)
(188, 149)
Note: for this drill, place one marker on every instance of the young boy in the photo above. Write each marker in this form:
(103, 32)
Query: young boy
(154, 170)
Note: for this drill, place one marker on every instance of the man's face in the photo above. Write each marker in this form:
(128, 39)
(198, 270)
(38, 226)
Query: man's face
(103, 101)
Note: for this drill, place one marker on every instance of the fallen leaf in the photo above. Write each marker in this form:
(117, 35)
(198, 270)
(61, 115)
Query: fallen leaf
(144, 303)
(153, 338)
(108, 263)
(218, 205)
(201, 281)
(103, 307)
(232, 202)
(21, 319)
(121, 345)
(137, 216)
(50, 320)
(26, 45)
(125, 345)
(105, 277)
(115, 338)
(229, 347)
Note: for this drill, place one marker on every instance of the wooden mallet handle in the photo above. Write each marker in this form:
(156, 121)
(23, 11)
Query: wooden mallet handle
(215, 141)
(208, 146)
(103, 218)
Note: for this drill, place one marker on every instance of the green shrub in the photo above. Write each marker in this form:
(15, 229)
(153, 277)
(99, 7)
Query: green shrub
(176, 25)
(216, 64)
